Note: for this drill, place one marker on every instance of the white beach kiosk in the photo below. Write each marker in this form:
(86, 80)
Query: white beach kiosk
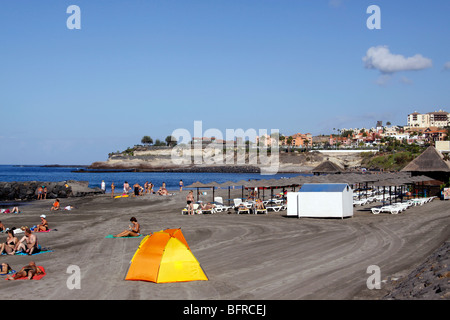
(321, 200)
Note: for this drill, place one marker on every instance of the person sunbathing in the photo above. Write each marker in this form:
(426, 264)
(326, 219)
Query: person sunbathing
(10, 244)
(162, 191)
(242, 207)
(55, 206)
(259, 205)
(28, 271)
(208, 206)
(133, 231)
(5, 268)
(43, 226)
(31, 245)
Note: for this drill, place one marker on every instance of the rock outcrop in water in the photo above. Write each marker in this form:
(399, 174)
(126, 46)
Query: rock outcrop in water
(28, 190)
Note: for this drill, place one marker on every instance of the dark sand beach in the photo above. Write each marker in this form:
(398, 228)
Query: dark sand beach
(245, 257)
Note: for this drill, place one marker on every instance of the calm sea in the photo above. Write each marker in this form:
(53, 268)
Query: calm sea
(52, 174)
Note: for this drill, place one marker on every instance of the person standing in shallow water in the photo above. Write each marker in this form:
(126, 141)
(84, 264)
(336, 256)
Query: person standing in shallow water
(126, 187)
(181, 185)
(112, 189)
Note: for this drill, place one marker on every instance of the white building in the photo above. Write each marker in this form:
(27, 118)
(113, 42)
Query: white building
(431, 119)
(321, 200)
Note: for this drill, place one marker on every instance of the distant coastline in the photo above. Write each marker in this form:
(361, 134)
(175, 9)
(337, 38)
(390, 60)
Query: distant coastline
(50, 166)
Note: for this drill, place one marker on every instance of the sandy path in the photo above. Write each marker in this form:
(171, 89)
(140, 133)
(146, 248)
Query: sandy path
(244, 256)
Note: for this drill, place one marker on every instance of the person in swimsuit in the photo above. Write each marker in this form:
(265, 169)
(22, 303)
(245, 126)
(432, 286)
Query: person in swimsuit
(5, 268)
(31, 243)
(126, 187)
(43, 226)
(40, 192)
(190, 202)
(137, 189)
(112, 189)
(28, 271)
(133, 231)
(181, 185)
(10, 244)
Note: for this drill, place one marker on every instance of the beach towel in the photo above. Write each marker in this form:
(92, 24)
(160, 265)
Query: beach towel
(110, 236)
(46, 230)
(9, 272)
(43, 250)
(36, 276)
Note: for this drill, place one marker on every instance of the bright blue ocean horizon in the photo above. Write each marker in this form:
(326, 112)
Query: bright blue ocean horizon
(10, 173)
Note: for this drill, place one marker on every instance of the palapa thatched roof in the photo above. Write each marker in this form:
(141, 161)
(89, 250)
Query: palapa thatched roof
(430, 160)
(327, 167)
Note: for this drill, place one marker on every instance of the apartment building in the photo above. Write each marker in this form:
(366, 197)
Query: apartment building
(438, 119)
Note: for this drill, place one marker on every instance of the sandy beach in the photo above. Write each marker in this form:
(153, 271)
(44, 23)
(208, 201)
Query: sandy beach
(246, 257)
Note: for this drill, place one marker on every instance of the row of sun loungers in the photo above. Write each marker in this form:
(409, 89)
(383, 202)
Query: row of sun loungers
(400, 207)
(248, 207)
(377, 198)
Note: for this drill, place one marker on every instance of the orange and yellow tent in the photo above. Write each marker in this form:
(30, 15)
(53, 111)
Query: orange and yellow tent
(165, 256)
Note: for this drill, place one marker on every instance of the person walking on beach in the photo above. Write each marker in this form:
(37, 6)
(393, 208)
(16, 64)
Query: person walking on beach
(103, 186)
(190, 202)
(112, 189)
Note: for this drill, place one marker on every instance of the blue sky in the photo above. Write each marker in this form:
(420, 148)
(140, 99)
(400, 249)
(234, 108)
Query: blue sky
(140, 68)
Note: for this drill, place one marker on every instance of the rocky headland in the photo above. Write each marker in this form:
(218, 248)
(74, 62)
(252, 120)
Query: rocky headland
(28, 190)
(162, 159)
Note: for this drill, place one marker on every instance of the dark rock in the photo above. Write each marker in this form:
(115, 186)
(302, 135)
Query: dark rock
(429, 281)
(28, 190)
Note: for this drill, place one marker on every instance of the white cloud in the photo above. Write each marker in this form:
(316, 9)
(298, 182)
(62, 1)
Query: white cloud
(382, 59)
(447, 66)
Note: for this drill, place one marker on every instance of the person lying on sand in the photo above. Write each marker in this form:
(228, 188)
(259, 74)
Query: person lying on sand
(133, 231)
(162, 191)
(28, 271)
(31, 243)
(9, 245)
(5, 268)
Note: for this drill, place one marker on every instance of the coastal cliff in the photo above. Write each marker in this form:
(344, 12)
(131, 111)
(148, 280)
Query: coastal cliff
(162, 159)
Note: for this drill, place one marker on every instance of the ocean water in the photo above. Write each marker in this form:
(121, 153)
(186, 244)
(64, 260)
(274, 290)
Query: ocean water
(52, 174)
